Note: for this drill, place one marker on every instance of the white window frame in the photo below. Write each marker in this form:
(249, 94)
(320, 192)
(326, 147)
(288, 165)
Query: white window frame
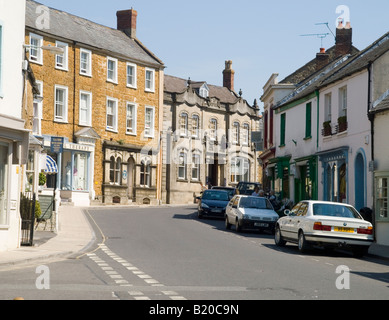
(145, 174)
(114, 127)
(88, 121)
(343, 101)
(65, 56)
(245, 134)
(183, 124)
(38, 111)
(64, 118)
(134, 83)
(38, 58)
(182, 166)
(114, 79)
(196, 166)
(195, 126)
(88, 70)
(235, 132)
(151, 87)
(131, 131)
(149, 124)
(213, 123)
(328, 107)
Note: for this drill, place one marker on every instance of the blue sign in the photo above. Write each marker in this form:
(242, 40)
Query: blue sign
(57, 144)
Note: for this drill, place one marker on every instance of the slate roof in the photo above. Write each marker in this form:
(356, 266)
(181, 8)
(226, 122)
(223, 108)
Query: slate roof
(85, 32)
(178, 85)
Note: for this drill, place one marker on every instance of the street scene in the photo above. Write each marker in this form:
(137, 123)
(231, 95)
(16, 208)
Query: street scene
(173, 155)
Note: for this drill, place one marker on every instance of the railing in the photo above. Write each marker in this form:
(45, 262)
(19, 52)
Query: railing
(27, 214)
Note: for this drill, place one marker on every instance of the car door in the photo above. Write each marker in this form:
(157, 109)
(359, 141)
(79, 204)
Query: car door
(286, 222)
(298, 220)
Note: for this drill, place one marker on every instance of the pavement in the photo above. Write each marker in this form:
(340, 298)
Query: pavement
(75, 236)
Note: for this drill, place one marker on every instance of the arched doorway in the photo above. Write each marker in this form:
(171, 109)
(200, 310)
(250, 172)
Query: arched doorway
(360, 182)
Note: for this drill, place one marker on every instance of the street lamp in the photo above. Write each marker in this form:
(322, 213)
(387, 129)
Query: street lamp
(51, 49)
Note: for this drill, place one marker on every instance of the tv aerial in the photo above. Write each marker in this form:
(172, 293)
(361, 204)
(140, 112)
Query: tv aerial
(321, 36)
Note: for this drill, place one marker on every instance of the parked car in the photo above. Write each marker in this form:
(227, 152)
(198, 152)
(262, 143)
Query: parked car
(247, 212)
(327, 224)
(212, 203)
(231, 191)
(247, 188)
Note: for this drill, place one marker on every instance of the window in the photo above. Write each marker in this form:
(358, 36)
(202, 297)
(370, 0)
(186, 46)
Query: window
(328, 107)
(213, 129)
(308, 121)
(283, 128)
(85, 108)
(115, 171)
(235, 132)
(61, 60)
(4, 167)
(36, 43)
(145, 174)
(61, 104)
(195, 126)
(240, 170)
(37, 112)
(182, 166)
(112, 70)
(150, 80)
(149, 122)
(131, 75)
(112, 112)
(245, 134)
(196, 167)
(183, 124)
(86, 62)
(382, 183)
(343, 102)
(131, 119)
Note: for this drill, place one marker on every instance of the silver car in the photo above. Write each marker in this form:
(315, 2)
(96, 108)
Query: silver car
(249, 212)
(327, 224)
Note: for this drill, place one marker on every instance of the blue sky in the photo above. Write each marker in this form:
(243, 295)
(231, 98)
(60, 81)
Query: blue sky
(195, 38)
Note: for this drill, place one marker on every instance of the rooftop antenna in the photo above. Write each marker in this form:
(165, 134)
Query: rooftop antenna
(319, 35)
(328, 27)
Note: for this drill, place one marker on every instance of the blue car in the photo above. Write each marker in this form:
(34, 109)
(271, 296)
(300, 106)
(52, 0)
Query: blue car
(213, 203)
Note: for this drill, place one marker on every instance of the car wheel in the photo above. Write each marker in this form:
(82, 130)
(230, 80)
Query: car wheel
(279, 240)
(302, 243)
(238, 228)
(228, 225)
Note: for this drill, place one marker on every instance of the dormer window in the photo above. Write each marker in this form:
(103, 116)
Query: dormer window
(204, 91)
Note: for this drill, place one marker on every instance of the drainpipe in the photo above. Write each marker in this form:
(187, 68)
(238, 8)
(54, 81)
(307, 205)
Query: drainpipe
(316, 190)
(371, 117)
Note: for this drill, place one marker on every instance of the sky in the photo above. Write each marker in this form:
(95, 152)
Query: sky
(195, 38)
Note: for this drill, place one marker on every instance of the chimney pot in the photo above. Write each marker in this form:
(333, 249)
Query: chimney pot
(126, 22)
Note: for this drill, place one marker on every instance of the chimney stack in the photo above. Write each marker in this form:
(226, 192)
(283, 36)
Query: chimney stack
(126, 22)
(322, 59)
(228, 76)
(344, 37)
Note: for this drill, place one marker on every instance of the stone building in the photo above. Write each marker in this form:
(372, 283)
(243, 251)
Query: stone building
(206, 137)
(101, 97)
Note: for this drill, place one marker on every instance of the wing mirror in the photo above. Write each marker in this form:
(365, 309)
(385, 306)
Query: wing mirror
(287, 212)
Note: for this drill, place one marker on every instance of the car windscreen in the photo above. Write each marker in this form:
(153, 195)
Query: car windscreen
(216, 195)
(256, 203)
(334, 210)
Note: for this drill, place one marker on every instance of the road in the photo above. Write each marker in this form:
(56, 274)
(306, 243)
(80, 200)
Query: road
(169, 254)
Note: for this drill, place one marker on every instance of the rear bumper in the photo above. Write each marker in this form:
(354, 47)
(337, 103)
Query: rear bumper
(336, 241)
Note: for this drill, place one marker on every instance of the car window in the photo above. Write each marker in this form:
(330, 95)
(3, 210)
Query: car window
(302, 211)
(236, 201)
(295, 209)
(335, 210)
(255, 203)
(216, 195)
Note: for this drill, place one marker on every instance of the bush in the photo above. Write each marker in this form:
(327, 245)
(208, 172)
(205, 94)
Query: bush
(42, 179)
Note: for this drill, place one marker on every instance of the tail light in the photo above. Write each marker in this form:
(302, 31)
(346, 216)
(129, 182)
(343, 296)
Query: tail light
(320, 227)
(368, 231)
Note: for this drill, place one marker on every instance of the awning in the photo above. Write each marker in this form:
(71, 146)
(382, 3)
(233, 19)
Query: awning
(51, 165)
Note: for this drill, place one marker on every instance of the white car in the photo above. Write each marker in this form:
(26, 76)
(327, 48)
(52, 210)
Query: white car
(248, 212)
(327, 224)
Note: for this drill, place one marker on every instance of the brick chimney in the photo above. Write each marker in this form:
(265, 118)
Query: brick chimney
(344, 39)
(228, 76)
(126, 21)
(322, 59)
